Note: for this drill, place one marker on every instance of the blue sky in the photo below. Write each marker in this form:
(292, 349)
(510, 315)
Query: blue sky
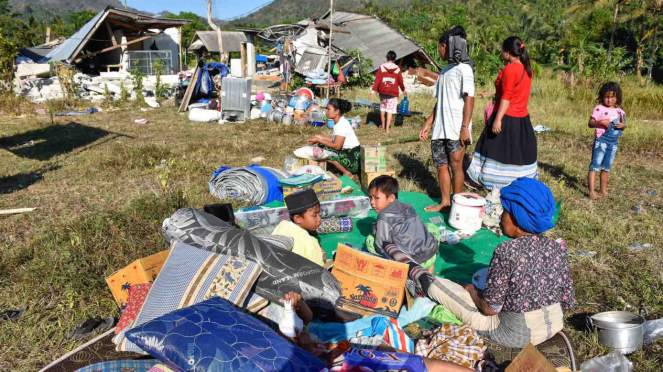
(221, 9)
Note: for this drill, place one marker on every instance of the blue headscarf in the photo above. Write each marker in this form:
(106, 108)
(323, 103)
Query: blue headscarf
(531, 204)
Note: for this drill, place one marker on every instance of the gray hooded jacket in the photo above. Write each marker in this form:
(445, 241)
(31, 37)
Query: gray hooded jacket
(399, 224)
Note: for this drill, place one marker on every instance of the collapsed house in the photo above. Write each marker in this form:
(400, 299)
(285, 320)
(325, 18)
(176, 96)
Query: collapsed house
(373, 38)
(102, 52)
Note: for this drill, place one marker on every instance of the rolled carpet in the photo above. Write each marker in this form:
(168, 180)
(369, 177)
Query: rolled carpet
(253, 184)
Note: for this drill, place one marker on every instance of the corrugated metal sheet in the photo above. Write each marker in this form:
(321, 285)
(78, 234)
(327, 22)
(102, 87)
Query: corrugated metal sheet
(369, 35)
(231, 41)
(311, 60)
(66, 50)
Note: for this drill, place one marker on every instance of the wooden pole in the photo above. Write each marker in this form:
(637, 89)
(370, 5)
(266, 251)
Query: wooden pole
(242, 50)
(215, 28)
(180, 42)
(331, 26)
(48, 34)
(16, 211)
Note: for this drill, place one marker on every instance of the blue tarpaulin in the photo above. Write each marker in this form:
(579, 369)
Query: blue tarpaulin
(205, 78)
(261, 58)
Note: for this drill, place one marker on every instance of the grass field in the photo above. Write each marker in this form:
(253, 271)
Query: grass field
(103, 186)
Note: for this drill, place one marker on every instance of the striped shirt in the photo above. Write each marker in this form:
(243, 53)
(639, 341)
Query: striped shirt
(453, 83)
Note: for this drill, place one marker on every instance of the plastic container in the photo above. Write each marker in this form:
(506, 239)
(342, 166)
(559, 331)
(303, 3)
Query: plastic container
(614, 362)
(290, 322)
(405, 106)
(330, 123)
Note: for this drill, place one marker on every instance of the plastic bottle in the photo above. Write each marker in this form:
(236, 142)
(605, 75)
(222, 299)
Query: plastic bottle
(290, 321)
(405, 106)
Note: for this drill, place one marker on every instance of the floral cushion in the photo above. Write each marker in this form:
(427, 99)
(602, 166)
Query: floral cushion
(215, 336)
(189, 276)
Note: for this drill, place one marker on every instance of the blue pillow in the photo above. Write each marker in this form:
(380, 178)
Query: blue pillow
(215, 336)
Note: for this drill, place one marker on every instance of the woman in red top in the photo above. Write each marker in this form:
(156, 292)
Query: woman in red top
(506, 149)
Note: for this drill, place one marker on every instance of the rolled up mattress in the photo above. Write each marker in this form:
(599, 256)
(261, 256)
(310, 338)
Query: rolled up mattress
(253, 184)
(283, 271)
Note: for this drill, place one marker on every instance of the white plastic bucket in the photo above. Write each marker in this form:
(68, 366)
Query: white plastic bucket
(467, 211)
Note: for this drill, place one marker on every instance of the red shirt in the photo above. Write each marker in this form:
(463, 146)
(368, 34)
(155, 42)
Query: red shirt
(388, 80)
(513, 84)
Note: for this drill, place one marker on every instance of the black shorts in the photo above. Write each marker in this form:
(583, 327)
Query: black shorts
(442, 149)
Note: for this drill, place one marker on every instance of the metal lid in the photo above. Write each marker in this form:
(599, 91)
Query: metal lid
(617, 320)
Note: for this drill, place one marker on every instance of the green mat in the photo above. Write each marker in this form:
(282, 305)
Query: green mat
(454, 262)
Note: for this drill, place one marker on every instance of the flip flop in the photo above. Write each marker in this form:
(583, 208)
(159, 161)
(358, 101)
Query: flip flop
(11, 314)
(90, 326)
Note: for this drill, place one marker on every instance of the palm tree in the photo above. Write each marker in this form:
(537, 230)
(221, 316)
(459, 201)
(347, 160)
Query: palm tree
(364, 289)
(657, 4)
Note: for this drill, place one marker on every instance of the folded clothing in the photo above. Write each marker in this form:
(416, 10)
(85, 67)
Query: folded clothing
(336, 225)
(253, 184)
(301, 180)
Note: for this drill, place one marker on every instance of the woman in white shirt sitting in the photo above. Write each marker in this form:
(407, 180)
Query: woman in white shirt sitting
(343, 141)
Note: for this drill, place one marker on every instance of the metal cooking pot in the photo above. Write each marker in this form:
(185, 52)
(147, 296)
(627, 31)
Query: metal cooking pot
(621, 331)
(277, 115)
(263, 103)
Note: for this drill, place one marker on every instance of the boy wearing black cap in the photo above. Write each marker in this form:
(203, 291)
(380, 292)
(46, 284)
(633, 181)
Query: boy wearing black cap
(304, 210)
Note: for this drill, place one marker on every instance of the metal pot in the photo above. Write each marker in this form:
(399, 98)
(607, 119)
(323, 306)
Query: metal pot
(621, 331)
(277, 116)
(265, 114)
(263, 103)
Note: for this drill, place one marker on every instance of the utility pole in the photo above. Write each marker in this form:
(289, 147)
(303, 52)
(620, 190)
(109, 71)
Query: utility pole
(215, 28)
(331, 27)
(125, 4)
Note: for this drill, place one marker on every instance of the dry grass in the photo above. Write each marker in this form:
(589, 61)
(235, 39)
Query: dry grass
(102, 194)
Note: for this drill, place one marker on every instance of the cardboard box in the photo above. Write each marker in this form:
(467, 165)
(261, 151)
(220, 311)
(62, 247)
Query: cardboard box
(140, 271)
(370, 285)
(325, 190)
(322, 164)
(530, 360)
(373, 158)
(366, 178)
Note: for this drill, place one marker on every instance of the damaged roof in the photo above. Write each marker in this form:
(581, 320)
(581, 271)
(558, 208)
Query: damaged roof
(370, 35)
(72, 47)
(232, 41)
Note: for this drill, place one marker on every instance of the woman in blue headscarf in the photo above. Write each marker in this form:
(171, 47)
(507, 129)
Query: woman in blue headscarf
(528, 283)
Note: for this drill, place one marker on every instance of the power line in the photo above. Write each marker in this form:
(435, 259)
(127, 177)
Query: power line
(247, 13)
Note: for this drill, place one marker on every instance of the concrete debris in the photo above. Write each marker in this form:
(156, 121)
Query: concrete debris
(90, 88)
(414, 85)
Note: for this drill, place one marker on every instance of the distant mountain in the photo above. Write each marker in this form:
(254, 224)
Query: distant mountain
(46, 10)
(293, 11)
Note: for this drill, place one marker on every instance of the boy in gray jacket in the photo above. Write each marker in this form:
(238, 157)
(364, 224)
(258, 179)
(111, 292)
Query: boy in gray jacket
(399, 224)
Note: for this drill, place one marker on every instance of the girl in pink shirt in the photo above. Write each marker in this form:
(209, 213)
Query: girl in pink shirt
(609, 122)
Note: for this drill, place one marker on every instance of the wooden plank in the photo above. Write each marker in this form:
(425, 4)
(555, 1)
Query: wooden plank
(16, 211)
(189, 91)
(110, 33)
(118, 46)
(126, 25)
(359, 19)
(242, 52)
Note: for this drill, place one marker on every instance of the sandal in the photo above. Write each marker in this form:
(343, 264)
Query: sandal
(90, 326)
(11, 314)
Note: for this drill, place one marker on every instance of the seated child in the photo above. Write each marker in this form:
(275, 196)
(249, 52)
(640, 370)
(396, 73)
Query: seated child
(304, 210)
(399, 224)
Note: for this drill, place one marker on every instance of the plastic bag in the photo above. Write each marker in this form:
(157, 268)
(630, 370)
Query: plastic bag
(204, 116)
(290, 164)
(313, 153)
(614, 362)
(374, 360)
(311, 169)
(653, 330)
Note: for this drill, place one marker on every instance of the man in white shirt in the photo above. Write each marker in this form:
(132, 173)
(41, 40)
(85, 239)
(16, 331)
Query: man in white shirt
(451, 119)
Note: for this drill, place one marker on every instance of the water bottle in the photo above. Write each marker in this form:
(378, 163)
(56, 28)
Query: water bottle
(405, 106)
(290, 321)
